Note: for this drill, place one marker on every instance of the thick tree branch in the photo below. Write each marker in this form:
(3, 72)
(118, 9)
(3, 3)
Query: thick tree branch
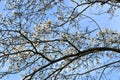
(82, 53)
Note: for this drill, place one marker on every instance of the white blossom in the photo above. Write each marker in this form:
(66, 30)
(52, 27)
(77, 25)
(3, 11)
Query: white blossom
(9, 68)
(64, 35)
(0, 14)
(10, 61)
(100, 34)
(60, 17)
(48, 22)
(105, 30)
(119, 35)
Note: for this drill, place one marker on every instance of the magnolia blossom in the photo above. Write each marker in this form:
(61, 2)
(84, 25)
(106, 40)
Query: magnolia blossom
(19, 47)
(52, 56)
(45, 1)
(0, 14)
(100, 34)
(36, 28)
(43, 27)
(72, 0)
(35, 69)
(119, 35)
(9, 68)
(48, 22)
(90, 43)
(60, 17)
(112, 39)
(10, 61)
(105, 31)
(18, 0)
(64, 35)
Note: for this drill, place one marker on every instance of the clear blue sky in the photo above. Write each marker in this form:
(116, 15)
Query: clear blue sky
(104, 20)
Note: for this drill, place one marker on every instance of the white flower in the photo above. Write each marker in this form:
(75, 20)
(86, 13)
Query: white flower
(118, 35)
(14, 13)
(90, 43)
(10, 61)
(9, 68)
(79, 34)
(48, 22)
(18, 0)
(105, 31)
(0, 14)
(36, 28)
(35, 34)
(45, 2)
(64, 35)
(60, 17)
(86, 35)
(35, 69)
(100, 34)
(113, 39)
(72, 0)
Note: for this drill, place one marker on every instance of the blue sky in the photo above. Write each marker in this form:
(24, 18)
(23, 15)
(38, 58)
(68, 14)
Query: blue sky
(103, 20)
(106, 22)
